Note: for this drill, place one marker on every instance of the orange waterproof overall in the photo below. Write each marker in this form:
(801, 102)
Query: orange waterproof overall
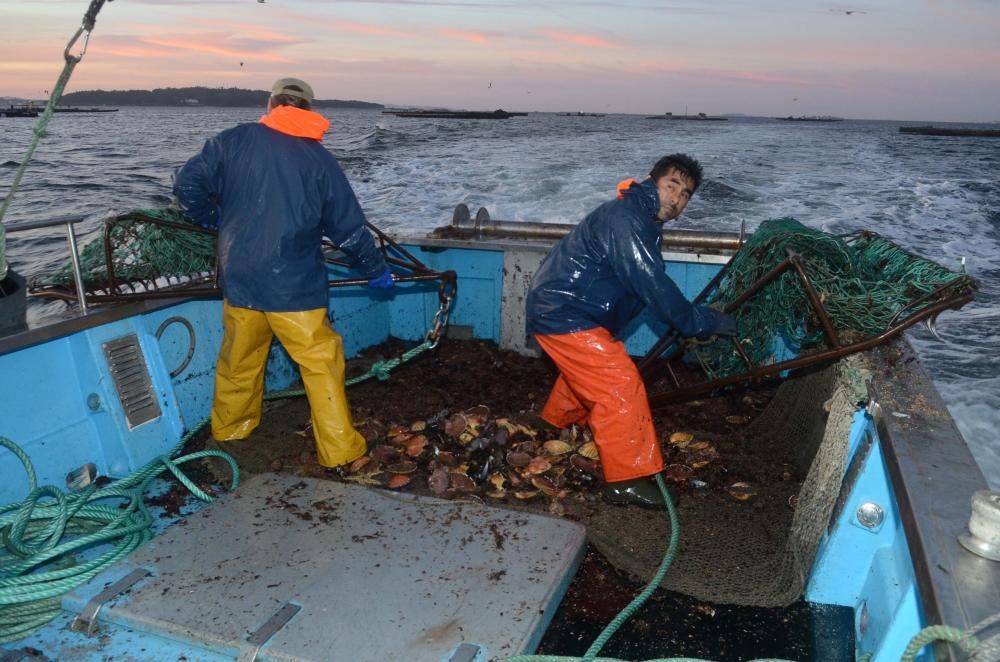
(599, 384)
(315, 347)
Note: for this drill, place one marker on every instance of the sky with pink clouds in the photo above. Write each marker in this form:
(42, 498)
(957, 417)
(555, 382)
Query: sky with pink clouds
(892, 59)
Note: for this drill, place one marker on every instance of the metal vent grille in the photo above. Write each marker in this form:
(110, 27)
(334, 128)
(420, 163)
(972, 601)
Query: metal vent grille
(132, 380)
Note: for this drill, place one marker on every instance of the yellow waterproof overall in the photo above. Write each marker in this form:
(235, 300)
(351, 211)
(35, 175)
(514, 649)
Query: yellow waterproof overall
(319, 352)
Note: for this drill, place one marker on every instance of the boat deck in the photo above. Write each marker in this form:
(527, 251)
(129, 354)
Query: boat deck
(370, 576)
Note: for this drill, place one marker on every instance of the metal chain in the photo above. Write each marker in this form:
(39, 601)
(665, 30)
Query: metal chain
(446, 295)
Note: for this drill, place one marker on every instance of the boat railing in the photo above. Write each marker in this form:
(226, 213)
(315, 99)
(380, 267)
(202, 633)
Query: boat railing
(74, 253)
(463, 224)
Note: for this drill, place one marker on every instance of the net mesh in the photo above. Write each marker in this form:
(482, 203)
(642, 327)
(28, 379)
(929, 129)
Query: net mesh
(864, 282)
(146, 246)
(757, 552)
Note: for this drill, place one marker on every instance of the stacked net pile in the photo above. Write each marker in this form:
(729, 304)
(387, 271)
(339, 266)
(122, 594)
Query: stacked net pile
(147, 247)
(865, 283)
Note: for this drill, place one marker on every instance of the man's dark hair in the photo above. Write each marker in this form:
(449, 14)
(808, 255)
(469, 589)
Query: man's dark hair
(681, 162)
(289, 100)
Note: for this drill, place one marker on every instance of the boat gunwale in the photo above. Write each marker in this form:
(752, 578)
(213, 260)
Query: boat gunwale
(933, 475)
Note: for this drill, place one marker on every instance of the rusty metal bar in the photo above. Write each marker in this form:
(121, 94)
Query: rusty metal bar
(812, 359)
(761, 283)
(818, 308)
(742, 352)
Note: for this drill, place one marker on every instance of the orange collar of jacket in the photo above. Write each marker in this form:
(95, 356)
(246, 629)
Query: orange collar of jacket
(296, 122)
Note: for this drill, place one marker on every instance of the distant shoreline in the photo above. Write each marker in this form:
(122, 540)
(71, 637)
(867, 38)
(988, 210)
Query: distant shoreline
(193, 97)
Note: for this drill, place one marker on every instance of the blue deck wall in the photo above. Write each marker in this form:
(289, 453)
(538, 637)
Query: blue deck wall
(44, 407)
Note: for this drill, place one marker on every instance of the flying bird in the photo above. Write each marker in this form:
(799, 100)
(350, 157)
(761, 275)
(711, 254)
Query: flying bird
(241, 64)
(490, 85)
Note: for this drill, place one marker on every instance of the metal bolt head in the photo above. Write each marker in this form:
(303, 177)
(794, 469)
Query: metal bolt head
(93, 402)
(870, 515)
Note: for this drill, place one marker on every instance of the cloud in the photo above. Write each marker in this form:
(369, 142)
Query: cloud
(370, 29)
(579, 39)
(465, 35)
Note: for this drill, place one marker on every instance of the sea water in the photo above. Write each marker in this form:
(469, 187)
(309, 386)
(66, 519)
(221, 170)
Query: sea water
(936, 196)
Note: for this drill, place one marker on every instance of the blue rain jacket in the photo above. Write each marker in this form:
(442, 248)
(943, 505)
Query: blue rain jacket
(272, 197)
(608, 269)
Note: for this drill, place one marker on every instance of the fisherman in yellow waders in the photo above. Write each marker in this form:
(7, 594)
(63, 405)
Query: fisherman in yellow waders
(273, 191)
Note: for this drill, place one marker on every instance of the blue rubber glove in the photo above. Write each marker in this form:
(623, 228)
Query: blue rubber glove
(383, 281)
(725, 325)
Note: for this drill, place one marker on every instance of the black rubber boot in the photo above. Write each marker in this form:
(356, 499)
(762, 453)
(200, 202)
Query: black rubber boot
(642, 492)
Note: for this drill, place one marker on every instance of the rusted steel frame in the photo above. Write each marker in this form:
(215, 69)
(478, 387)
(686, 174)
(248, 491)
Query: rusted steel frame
(197, 289)
(812, 359)
(761, 283)
(662, 344)
(742, 352)
(818, 308)
(135, 216)
(413, 278)
(389, 260)
(670, 337)
(930, 295)
(388, 240)
(108, 261)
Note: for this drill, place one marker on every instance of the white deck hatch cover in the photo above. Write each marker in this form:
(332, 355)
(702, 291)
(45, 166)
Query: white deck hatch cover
(378, 575)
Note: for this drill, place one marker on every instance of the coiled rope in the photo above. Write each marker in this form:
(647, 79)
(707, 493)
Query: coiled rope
(43, 533)
(48, 527)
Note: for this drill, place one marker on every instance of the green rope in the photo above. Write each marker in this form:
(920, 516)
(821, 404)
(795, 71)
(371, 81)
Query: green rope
(43, 533)
(43, 122)
(48, 527)
(938, 633)
(632, 607)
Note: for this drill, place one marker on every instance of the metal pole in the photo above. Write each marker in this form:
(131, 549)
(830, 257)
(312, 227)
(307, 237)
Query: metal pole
(77, 273)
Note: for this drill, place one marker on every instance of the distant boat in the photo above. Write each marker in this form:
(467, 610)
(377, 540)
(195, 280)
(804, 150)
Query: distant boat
(455, 114)
(939, 131)
(811, 118)
(580, 114)
(700, 117)
(57, 109)
(19, 111)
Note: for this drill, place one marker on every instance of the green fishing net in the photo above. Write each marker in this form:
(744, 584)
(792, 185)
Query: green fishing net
(147, 246)
(864, 282)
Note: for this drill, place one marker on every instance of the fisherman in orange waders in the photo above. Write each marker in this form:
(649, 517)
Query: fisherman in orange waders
(587, 289)
(273, 191)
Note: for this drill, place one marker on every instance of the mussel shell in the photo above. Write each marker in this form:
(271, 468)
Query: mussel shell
(461, 483)
(438, 481)
(518, 459)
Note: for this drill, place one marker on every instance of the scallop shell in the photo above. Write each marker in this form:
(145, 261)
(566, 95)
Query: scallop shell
(557, 447)
(681, 439)
(538, 465)
(403, 467)
(418, 426)
(589, 451)
(361, 464)
(397, 481)
(518, 459)
(741, 491)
